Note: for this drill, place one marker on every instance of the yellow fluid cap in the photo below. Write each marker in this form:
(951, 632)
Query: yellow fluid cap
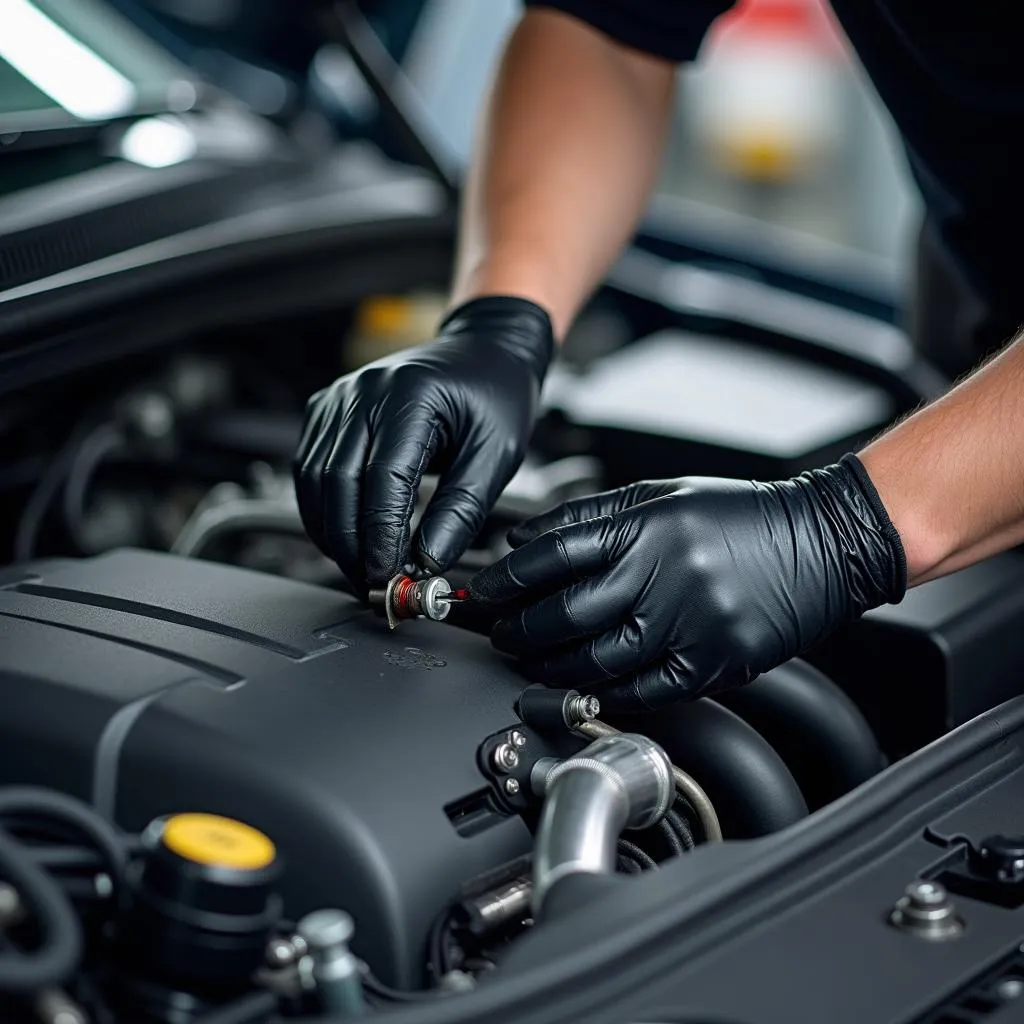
(220, 842)
(385, 314)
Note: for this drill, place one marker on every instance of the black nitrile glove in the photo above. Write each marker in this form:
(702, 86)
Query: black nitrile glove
(676, 589)
(465, 402)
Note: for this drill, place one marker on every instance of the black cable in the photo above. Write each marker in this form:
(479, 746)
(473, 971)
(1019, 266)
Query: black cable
(437, 943)
(375, 987)
(58, 955)
(59, 858)
(34, 513)
(94, 450)
(678, 821)
(627, 866)
(634, 853)
(37, 806)
(672, 840)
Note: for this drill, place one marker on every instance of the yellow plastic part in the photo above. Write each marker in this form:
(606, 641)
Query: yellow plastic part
(214, 841)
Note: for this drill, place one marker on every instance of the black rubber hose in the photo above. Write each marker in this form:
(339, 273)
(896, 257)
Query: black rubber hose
(814, 726)
(33, 803)
(57, 956)
(750, 786)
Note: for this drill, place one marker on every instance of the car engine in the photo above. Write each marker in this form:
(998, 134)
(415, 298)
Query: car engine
(397, 771)
(230, 792)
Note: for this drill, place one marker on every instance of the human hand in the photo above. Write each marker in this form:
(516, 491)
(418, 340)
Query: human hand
(466, 401)
(674, 589)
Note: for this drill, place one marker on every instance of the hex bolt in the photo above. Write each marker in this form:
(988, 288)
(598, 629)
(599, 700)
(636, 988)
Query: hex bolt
(505, 757)
(517, 739)
(512, 786)
(925, 910)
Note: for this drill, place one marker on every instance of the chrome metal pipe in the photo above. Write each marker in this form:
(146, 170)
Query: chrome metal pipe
(617, 782)
(687, 786)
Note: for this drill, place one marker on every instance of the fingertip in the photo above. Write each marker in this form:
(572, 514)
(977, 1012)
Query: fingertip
(429, 563)
(435, 555)
(503, 636)
(518, 536)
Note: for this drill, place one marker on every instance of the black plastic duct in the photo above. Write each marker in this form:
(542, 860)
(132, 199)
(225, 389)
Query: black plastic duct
(815, 728)
(753, 791)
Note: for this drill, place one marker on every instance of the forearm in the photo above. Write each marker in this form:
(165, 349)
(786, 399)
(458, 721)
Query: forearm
(952, 475)
(566, 157)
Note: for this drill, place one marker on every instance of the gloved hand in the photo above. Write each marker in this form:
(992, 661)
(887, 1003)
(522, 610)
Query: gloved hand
(466, 401)
(676, 589)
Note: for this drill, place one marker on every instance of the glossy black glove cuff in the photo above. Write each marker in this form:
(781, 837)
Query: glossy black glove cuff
(877, 563)
(898, 581)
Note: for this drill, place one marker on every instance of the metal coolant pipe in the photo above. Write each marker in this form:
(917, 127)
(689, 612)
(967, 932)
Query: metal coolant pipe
(617, 782)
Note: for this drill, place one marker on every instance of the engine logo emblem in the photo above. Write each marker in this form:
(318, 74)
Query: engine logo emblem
(413, 657)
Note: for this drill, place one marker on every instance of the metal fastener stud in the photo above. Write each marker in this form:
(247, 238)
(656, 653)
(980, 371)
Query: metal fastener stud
(505, 757)
(925, 910)
(582, 709)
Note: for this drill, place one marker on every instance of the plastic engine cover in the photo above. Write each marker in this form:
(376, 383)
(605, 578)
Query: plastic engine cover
(149, 684)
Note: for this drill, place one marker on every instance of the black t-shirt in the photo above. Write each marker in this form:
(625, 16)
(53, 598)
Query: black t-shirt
(952, 77)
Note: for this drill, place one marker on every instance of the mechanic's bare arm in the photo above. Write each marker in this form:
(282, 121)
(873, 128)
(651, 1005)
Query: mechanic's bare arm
(952, 475)
(569, 153)
(566, 158)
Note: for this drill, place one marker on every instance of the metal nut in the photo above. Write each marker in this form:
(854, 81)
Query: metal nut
(512, 786)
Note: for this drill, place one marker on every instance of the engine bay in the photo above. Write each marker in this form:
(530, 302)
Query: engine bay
(398, 771)
(245, 798)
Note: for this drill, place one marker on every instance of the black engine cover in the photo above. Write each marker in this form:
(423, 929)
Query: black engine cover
(149, 684)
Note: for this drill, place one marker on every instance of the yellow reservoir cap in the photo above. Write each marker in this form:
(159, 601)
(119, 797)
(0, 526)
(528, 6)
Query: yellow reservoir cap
(219, 842)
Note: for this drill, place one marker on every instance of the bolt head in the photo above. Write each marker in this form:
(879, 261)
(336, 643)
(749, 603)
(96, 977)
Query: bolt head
(512, 786)
(280, 953)
(517, 739)
(1010, 988)
(324, 929)
(505, 757)
(591, 707)
(927, 894)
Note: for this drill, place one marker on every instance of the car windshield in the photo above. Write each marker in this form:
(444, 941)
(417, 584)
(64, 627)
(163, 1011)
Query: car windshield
(72, 63)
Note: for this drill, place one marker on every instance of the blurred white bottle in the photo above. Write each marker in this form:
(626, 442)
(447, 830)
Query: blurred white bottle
(765, 100)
